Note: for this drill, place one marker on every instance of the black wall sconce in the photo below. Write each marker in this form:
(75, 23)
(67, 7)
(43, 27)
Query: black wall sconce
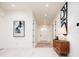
(77, 24)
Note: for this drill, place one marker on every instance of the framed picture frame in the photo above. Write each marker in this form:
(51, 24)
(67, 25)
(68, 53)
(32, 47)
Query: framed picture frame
(63, 17)
(18, 28)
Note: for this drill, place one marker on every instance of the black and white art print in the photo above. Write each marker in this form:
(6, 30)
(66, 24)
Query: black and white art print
(18, 28)
(63, 17)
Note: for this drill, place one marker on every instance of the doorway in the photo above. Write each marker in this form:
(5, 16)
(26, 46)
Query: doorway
(44, 35)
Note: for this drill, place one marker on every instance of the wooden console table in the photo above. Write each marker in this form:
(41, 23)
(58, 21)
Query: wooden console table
(61, 47)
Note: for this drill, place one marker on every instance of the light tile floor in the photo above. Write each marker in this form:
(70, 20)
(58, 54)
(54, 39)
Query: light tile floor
(28, 52)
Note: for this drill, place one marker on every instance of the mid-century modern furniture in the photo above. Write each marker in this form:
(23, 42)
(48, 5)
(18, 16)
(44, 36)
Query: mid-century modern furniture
(62, 47)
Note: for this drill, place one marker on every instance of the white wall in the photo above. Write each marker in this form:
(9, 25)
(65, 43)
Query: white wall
(1, 12)
(56, 24)
(73, 30)
(6, 30)
(1, 15)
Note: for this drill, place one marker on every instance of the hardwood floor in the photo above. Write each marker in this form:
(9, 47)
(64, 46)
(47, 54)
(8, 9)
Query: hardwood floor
(43, 44)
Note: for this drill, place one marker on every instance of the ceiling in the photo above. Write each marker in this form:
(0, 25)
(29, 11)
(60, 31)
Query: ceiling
(43, 12)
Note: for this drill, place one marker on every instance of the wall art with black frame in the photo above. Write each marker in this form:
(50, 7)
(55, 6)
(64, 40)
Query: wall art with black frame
(63, 17)
(18, 28)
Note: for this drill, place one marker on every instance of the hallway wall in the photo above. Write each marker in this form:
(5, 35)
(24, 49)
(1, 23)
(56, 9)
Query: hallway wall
(35, 31)
(73, 30)
(6, 29)
(56, 25)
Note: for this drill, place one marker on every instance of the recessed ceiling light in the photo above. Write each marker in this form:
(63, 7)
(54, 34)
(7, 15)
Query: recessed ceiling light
(46, 5)
(45, 15)
(13, 5)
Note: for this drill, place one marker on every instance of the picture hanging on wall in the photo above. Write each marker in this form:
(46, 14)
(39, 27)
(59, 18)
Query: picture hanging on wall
(18, 28)
(63, 17)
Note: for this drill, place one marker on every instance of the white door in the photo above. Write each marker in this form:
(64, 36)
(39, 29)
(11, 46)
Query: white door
(44, 34)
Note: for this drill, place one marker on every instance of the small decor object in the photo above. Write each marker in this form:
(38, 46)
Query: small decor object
(63, 17)
(18, 28)
(56, 38)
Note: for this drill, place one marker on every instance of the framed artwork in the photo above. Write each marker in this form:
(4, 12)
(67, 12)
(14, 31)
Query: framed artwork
(63, 17)
(18, 28)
